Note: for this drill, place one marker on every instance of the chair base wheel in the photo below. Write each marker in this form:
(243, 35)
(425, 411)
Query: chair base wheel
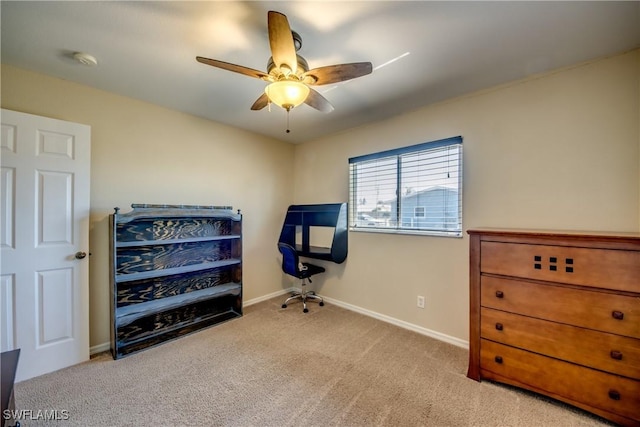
(303, 297)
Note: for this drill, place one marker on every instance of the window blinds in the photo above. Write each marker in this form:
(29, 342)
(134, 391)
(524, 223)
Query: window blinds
(410, 189)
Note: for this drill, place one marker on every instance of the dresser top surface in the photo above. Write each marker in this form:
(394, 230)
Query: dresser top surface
(559, 234)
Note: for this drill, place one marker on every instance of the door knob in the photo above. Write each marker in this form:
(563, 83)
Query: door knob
(80, 255)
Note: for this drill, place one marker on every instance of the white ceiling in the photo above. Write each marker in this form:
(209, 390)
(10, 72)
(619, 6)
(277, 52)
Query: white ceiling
(147, 49)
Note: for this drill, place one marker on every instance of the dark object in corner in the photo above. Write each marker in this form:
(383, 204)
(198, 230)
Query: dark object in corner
(9, 365)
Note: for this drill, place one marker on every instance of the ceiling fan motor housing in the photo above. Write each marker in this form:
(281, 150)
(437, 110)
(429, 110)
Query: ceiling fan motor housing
(273, 70)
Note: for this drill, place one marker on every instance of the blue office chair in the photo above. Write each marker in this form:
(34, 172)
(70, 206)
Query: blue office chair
(292, 266)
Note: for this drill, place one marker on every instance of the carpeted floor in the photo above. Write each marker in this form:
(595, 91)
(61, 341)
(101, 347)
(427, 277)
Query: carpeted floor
(275, 367)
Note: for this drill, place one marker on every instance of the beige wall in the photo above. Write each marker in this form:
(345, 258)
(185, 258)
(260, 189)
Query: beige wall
(558, 151)
(143, 153)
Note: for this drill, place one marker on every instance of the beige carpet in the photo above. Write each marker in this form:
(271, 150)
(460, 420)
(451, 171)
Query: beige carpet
(274, 367)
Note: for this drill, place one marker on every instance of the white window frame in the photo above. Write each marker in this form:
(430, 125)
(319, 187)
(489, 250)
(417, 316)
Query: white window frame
(434, 167)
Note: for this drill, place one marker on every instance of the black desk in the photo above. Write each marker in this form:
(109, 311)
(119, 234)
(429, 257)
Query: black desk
(303, 218)
(9, 366)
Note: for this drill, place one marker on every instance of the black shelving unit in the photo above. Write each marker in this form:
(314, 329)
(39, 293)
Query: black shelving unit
(175, 269)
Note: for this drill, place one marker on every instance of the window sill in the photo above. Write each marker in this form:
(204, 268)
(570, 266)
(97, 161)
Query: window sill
(453, 234)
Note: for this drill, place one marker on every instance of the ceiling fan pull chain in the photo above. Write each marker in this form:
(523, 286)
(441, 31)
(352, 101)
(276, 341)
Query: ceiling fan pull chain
(288, 130)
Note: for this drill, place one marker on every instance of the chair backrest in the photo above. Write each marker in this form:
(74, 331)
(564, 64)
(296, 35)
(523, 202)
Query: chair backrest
(289, 259)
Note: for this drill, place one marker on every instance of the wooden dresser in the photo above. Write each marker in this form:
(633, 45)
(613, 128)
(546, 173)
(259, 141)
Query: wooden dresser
(558, 313)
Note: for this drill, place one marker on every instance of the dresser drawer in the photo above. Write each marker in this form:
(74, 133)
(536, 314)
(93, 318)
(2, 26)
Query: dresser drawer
(601, 311)
(599, 350)
(601, 268)
(600, 390)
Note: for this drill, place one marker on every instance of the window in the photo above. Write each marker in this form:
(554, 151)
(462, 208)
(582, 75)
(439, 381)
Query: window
(416, 189)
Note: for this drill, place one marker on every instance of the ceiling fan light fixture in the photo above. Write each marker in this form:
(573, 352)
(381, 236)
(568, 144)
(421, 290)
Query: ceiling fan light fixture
(287, 93)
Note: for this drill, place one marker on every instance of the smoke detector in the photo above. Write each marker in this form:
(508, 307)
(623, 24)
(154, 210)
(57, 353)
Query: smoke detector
(85, 59)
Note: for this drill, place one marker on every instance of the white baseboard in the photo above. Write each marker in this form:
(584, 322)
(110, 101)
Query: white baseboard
(100, 348)
(247, 303)
(401, 323)
(388, 319)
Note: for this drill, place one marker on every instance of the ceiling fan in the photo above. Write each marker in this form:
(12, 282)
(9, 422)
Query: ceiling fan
(288, 73)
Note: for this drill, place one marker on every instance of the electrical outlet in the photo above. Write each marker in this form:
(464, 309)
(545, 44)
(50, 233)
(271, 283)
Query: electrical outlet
(420, 301)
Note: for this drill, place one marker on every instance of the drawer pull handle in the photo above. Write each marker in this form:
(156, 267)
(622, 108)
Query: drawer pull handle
(499, 294)
(500, 327)
(498, 359)
(617, 315)
(614, 394)
(615, 354)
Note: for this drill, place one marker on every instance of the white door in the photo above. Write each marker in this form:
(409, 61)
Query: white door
(44, 242)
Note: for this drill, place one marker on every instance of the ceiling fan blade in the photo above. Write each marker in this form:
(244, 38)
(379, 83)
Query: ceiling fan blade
(283, 49)
(337, 73)
(260, 102)
(318, 102)
(233, 67)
